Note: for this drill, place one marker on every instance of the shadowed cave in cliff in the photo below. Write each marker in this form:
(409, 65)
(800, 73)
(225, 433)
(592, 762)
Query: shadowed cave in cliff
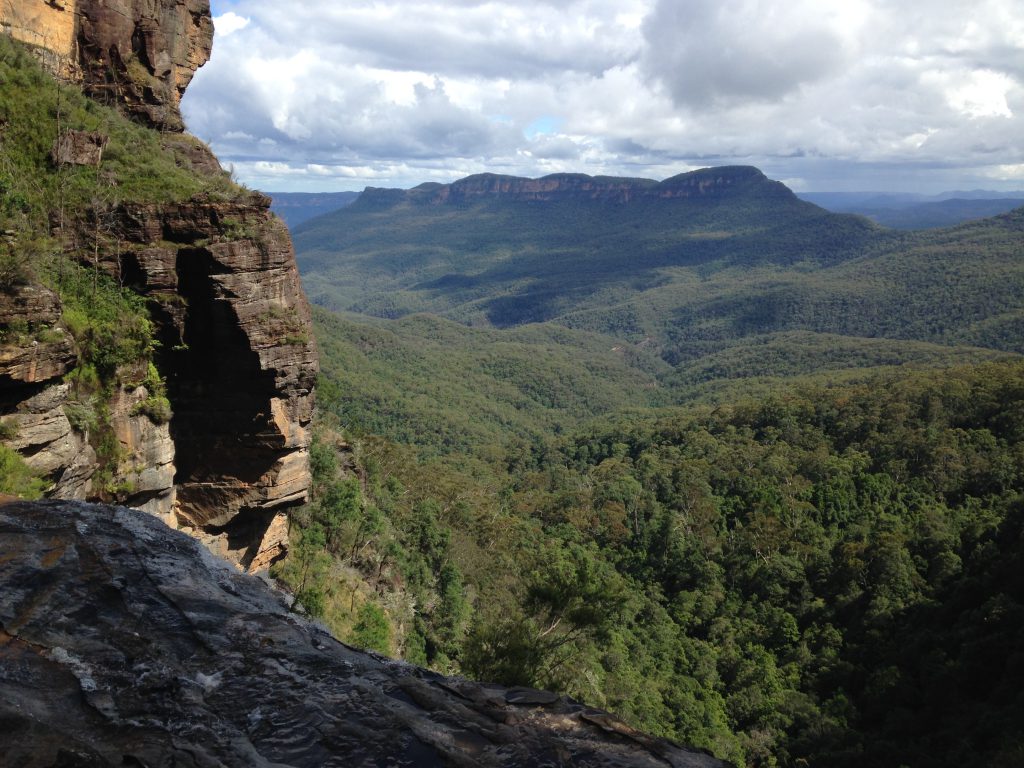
(222, 428)
(131, 273)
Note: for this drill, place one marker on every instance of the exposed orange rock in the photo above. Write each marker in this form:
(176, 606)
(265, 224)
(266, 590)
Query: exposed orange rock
(51, 26)
(238, 353)
(140, 54)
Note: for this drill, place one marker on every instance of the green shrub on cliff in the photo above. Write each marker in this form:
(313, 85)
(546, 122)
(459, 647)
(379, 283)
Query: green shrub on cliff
(110, 324)
(44, 208)
(17, 478)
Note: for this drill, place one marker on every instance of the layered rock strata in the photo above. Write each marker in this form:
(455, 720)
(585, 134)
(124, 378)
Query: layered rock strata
(125, 643)
(236, 345)
(707, 184)
(237, 349)
(139, 54)
(240, 363)
(37, 407)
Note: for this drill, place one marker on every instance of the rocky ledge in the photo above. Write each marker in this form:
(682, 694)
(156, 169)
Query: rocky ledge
(123, 642)
(219, 272)
(240, 360)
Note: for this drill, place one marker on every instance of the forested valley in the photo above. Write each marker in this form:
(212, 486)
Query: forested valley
(788, 531)
(746, 473)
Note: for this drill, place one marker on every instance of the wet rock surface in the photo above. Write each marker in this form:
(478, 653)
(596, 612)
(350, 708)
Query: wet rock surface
(123, 642)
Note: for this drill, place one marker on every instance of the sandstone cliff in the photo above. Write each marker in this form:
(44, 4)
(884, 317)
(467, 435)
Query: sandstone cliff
(218, 271)
(169, 658)
(140, 54)
(239, 358)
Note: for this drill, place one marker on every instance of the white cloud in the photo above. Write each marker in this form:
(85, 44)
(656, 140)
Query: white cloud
(981, 93)
(887, 93)
(729, 51)
(228, 23)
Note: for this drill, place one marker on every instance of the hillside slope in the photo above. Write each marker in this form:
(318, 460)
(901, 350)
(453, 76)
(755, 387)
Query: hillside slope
(722, 273)
(507, 251)
(824, 574)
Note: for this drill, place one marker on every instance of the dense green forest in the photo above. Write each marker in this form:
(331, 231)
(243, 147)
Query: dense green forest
(745, 472)
(686, 276)
(829, 574)
(427, 381)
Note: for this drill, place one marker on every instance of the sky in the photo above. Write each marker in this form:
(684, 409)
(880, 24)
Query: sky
(824, 95)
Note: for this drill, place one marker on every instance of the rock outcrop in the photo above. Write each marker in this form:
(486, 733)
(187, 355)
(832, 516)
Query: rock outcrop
(140, 54)
(79, 148)
(37, 407)
(124, 643)
(49, 26)
(236, 344)
(240, 361)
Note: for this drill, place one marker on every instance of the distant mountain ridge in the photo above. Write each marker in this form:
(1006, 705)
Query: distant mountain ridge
(706, 183)
(507, 250)
(703, 266)
(906, 211)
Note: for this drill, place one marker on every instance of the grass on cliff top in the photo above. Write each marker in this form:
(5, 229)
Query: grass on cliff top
(139, 165)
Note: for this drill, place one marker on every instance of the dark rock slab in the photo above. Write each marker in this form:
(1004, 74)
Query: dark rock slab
(123, 642)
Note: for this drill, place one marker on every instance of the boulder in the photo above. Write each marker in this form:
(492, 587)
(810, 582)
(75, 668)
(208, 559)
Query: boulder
(79, 148)
(126, 643)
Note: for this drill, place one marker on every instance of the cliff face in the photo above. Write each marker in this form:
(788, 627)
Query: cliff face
(219, 274)
(240, 362)
(169, 658)
(140, 54)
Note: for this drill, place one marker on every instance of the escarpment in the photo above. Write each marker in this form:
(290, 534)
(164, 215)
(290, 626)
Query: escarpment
(208, 427)
(237, 348)
(710, 184)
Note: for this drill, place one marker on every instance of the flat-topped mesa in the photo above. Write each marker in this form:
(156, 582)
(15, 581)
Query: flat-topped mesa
(553, 187)
(139, 54)
(723, 181)
(707, 183)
